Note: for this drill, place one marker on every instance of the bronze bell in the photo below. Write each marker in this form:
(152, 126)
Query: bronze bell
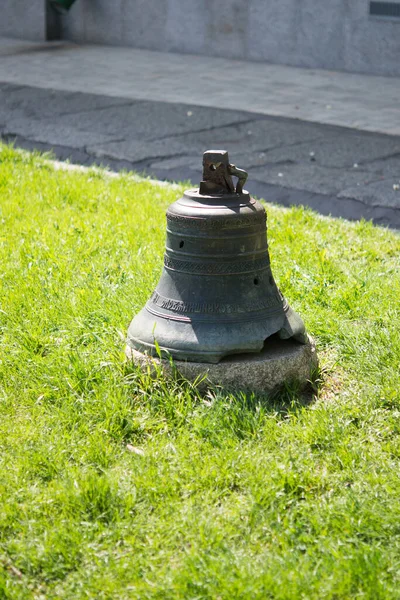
(216, 295)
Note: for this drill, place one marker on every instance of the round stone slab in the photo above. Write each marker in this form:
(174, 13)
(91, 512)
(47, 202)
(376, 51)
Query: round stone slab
(279, 362)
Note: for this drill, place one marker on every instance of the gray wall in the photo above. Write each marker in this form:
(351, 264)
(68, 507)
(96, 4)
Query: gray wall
(24, 19)
(332, 34)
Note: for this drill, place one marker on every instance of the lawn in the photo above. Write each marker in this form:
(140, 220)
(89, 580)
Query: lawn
(117, 486)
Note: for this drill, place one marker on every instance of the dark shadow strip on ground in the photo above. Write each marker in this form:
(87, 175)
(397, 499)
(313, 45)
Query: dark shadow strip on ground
(329, 205)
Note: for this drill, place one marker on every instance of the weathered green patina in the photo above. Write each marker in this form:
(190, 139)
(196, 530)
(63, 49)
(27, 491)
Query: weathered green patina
(216, 295)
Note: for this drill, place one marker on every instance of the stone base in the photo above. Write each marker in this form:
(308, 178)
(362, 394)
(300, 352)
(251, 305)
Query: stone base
(280, 361)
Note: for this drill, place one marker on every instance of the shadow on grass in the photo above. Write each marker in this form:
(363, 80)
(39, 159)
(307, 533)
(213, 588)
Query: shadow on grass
(211, 412)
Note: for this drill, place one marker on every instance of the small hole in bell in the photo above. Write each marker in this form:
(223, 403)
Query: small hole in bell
(213, 167)
(181, 244)
(256, 281)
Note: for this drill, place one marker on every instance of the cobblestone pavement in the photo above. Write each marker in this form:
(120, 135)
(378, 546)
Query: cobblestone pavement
(336, 170)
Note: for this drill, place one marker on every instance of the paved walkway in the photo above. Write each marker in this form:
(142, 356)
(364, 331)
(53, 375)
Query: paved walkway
(329, 140)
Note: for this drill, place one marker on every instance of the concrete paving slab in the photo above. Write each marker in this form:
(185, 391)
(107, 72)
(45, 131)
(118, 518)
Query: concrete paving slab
(338, 150)
(52, 133)
(246, 140)
(142, 152)
(42, 103)
(382, 193)
(153, 120)
(386, 166)
(350, 100)
(312, 177)
(258, 135)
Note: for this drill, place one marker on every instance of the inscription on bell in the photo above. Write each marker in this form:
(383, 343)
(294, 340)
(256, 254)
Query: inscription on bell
(214, 307)
(216, 268)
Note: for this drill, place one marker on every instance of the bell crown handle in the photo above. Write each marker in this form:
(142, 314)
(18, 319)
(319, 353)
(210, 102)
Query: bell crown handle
(242, 176)
(217, 174)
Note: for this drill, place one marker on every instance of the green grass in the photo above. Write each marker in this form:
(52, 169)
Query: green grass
(227, 496)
